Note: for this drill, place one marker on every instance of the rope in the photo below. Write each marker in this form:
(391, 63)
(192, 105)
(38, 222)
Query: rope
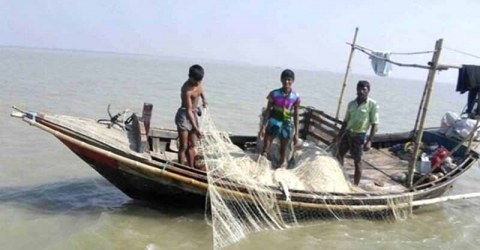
(397, 53)
(461, 52)
(390, 61)
(115, 121)
(164, 166)
(412, 53)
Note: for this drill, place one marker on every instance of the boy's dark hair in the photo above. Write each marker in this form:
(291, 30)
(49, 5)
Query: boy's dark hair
(362, 84)
(287, 73)
(196, 72)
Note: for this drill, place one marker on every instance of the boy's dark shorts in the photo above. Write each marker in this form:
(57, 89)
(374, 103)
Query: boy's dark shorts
(182, 121)
(354, 143)
(283, 130)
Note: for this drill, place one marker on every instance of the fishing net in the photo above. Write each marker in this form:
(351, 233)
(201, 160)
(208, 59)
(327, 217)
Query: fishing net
(247, 193)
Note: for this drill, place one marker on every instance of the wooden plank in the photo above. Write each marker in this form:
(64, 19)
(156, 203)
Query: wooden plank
(332, 130)
(140, 138)
(173, 146)
(163, 133)
(324, 129)
(321, 113)
(155, 145)
(306, 123)
(321, 136)
(315, 118)
(319, 119)
(326, 124)
(159, 145)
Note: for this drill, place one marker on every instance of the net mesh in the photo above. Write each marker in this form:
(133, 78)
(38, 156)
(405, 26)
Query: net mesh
(247, 194)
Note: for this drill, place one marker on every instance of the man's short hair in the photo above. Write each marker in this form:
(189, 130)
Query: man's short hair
(362, 84)
(287, 73)
(196, 72)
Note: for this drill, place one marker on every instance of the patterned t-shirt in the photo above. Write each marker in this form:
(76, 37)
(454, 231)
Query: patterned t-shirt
(283, 104)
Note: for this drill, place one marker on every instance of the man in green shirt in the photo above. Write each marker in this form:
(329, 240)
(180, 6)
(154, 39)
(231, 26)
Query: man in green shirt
(362, 113)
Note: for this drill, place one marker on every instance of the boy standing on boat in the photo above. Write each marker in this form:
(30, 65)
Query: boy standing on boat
(361, 114)
(186, 117)
(283, 105)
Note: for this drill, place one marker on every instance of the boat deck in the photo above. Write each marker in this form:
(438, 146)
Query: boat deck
(382, 171)
(379, 169)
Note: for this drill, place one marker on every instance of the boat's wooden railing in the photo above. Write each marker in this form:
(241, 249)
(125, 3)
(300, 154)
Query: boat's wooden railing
(319, 126)
(162, 140)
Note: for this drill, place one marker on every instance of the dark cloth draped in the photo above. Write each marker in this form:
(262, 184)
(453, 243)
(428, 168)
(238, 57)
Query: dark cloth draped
(469, 80)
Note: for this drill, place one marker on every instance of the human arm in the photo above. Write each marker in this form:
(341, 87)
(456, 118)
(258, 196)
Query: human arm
(374, 118)
(373, 131)
(204, 99)
(266, 115)
(296, 124)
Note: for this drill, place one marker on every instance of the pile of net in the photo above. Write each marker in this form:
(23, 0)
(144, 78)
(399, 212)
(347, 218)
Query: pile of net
(247, 193)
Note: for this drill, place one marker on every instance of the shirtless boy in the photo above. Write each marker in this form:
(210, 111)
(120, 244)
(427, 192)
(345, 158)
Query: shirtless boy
(186, 117)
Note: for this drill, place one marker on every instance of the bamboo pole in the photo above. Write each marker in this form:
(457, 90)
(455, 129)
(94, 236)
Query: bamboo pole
(446, 198)
(469, 147)
(420, 108)
(448, 66)
(418, 139)
(347, 72)
(474, 128)
(439, 67)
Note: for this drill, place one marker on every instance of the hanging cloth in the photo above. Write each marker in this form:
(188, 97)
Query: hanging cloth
(469, 80)
(380, 66)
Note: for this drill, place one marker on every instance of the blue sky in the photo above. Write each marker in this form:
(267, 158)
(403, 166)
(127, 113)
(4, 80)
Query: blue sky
(293, 34)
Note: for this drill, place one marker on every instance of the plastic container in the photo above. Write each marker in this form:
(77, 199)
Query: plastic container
(424, 165)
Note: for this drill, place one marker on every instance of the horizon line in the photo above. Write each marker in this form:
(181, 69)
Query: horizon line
(239, 63)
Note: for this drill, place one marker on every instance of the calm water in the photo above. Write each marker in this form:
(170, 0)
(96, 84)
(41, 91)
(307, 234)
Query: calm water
(50, 199)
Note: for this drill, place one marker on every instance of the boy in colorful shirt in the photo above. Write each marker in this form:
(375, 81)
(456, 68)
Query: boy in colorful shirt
(283, 105)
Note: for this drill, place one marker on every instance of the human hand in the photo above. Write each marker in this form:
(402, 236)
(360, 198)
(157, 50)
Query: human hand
(205, 104)
(261, 134)
(198, 133)
(295, 140)
(367, 146)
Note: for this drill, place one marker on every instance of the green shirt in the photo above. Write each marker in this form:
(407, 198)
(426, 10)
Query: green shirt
(359, 118)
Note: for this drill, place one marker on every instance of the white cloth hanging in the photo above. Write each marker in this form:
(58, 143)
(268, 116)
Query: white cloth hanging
(380, 66)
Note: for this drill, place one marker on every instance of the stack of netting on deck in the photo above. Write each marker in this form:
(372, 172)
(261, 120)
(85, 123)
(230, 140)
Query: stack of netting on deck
(246, 194)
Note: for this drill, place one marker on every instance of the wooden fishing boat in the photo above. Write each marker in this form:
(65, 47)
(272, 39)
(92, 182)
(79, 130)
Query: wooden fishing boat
(153, 174)
(141, 161)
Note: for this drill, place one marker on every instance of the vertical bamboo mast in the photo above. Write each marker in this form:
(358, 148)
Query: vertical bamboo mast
(347, 72)
(469, 147)
(420, 108)
(430, 80)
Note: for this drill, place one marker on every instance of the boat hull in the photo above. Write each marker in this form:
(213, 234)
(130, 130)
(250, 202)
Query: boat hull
(136, 185)
(158, 189)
